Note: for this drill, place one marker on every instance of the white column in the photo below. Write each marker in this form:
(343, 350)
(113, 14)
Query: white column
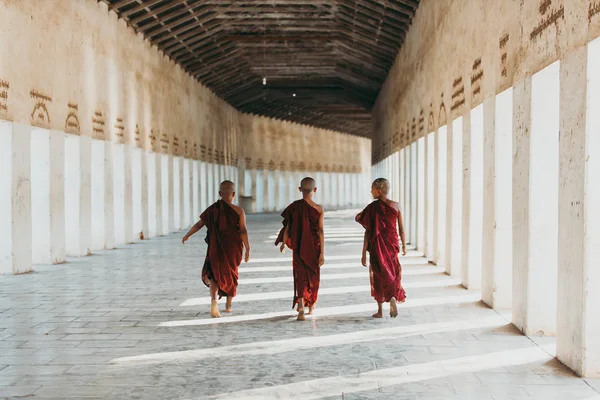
(578, 326)
(196, 191)
(98, 215)
(203, 179)
(78, 205)
(425, 200)
(15, 198)
(465, 199)
(535, 202)
(442, 197)
(109, 196)
(183, 193)
(431, 196)
(144, 155)
(497, 201)
(160, 231)
(192, 198)
(420, 193)
(402, 185)
(457, 198)
(48, 196)
(171, 193)
(435, 194)
(119, 192)
(128, 192)
(408, 195)
(472, 250)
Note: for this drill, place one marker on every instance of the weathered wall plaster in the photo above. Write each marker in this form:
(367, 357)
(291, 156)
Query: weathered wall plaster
(459, 52)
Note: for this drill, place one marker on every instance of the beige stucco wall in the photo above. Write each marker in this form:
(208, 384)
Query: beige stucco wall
(459, 52)
(71, 65)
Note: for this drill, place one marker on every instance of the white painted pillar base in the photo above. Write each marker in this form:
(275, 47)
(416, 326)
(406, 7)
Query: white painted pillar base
(48, 196)
(128, 194)
(497, 245)
(421, 195)
(78, 206)
(109, 196)
(535, 205)
(15, 198)
(443, 198)
(119, 193)
(144, 155)
(578, 325)
(472, 249)
(172, 225)
(196, 191)
(158, 171)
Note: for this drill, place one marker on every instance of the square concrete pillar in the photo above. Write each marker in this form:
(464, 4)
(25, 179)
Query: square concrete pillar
(48, 196)
(454, 198)
(402, 183)
(196, 190)
(192, 194)
(578, 325)
(15, 198)
(496, 290)
(535, 202)
(430, 174)
(414, 194)
(435, 194)
(473, 213)
(109, 196)
(408, 195)
(420, 194)
(98, 217)
(184, 186)
(172, 226)
(425, 200)
(158, 192)
(118, 185)
(442, 197)
(78, 196)
(203, 182)
(128, 193)
(145, 192)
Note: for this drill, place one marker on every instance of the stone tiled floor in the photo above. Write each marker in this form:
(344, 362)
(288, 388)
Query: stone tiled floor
(134, 323)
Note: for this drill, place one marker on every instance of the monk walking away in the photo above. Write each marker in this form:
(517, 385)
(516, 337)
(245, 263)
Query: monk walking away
(382, 221)
(303, 233)
(226, 237)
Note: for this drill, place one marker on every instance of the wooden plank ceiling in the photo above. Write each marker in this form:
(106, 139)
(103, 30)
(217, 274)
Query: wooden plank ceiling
(324, 60)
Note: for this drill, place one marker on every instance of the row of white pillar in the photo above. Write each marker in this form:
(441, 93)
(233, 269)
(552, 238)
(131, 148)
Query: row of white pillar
(505, 197)
(68, 195)
(272, 191)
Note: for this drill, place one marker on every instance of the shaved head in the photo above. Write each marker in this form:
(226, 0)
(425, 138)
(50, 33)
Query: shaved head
(382, 184)
(227, 187)
(307, 185)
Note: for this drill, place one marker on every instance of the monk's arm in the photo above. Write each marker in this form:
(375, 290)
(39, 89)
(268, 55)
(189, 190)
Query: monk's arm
(244, 234)
(401, 232)
(322, 237)
(286, 235)
(364, 250)
(197, 226)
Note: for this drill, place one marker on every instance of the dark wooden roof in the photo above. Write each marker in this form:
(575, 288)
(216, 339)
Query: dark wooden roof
(324, 60)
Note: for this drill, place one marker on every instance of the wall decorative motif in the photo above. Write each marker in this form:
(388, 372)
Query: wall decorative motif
(72, 125)
(119, 128)
(4, 86)
(40, 116)
(98, 125)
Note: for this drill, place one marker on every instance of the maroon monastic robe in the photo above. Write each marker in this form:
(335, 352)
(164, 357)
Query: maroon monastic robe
(303, 222)
(224, 254)
(379, 219)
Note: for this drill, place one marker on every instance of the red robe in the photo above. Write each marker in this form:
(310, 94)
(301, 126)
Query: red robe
(224, 254)
(379, 219)
(303, 221)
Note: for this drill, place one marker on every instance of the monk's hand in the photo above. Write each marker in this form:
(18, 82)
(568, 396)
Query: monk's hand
(185, 239)
(321, 260)
(282, 248)
(403, 249)
(363, 260)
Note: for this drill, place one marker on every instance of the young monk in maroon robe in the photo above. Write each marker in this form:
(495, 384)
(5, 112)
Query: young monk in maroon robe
(381, 241)
(303, 233)
(226, 237)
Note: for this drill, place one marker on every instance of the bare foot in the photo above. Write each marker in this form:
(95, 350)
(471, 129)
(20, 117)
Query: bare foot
(214, 309)
(310, 310)
(393, 308)
(301, 316)
(228, 310)
(378, 315)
